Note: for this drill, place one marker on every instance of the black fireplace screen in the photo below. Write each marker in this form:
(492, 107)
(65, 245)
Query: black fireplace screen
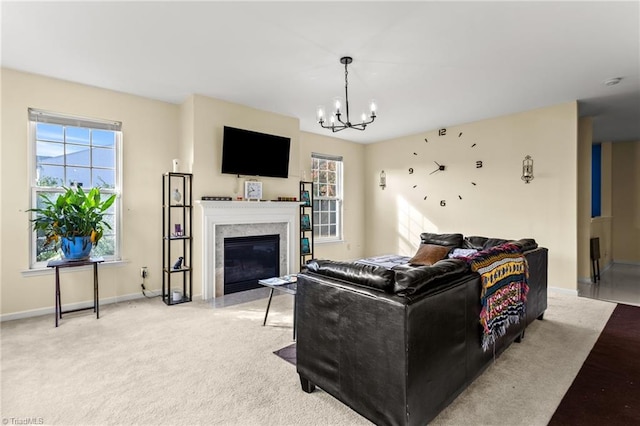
(249, 259)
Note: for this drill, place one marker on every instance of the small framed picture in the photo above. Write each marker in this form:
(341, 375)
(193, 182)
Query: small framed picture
(305, 248)
(305, 223)
(252, 190)
(305, 198)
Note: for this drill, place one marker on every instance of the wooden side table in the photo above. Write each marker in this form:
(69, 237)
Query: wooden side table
(57, 264)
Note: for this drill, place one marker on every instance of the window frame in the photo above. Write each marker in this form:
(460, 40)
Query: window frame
(338, 198)
(36, 116)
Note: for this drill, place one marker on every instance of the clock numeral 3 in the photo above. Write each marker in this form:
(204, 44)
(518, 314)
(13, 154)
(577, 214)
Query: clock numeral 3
(478, 164)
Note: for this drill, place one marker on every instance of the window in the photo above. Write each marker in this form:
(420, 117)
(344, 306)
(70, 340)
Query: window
(327, 197)
(75, 152)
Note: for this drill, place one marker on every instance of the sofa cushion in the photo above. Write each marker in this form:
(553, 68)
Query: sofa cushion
(410, 281)
(370, 276)
(448, 240)
(428, 254)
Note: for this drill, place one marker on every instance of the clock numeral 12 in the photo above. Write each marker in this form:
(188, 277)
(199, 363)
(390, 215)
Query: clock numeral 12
(442, 132)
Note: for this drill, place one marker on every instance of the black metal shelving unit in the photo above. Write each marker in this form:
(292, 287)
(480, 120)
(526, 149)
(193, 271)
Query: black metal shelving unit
(177, 211)
(306, 225)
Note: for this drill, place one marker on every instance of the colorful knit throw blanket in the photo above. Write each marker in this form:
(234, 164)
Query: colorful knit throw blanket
(504, 273)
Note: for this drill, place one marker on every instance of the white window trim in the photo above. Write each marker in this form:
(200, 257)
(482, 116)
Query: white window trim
(36, 267)
(339, 198)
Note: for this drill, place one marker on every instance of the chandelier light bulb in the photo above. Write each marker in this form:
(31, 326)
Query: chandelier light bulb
(338, 104)
(373, 108)
(320, 114)
(364, 117)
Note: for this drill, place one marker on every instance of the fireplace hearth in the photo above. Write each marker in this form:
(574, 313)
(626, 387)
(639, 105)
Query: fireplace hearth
(249, 259)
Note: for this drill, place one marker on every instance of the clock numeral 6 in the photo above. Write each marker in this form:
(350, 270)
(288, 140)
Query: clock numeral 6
(442, 132)
(478, 164)
(443, 203)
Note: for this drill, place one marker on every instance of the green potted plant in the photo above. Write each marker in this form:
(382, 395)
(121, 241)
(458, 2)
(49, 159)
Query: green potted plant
(74, 221)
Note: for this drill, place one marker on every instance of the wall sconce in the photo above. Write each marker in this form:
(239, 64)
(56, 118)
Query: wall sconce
(527, 169)
(383, 180)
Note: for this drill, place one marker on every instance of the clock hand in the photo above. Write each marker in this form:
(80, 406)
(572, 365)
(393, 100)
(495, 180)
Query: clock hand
(441, 167)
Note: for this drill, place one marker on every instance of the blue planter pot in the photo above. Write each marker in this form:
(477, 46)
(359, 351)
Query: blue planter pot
(76, 248)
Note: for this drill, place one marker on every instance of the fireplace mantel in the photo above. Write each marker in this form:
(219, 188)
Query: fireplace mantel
(217, 213)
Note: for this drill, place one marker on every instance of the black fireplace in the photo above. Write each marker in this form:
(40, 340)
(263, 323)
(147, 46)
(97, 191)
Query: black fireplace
(249, 259)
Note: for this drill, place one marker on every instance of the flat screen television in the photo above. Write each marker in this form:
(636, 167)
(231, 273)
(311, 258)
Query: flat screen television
(245, 152)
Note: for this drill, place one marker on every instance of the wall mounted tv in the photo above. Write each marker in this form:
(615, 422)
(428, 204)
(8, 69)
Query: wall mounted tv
(245, 152)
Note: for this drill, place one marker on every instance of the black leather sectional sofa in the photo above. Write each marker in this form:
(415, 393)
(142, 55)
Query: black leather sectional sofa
(398, 344)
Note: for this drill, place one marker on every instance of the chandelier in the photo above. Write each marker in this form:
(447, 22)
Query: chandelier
(336, 121)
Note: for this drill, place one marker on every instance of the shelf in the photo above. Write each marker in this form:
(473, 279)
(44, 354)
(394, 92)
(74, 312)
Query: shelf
(306, 218)
(173, 271)
(170, 301)
(177, 218)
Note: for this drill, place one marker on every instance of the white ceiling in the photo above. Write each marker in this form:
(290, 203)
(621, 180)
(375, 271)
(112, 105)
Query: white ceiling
(427, 64)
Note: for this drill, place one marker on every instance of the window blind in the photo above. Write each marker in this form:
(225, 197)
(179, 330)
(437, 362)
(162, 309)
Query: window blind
(326, 156)
(68, 120)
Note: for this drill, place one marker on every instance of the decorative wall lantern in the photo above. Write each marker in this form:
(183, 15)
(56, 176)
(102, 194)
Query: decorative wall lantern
(383, 180)
(527, 169)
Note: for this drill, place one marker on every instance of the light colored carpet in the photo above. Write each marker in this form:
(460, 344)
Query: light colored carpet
(149, 364)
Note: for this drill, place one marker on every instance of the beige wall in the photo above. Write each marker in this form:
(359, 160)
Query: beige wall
(352, 245)
(150, 132)
(376, 221)
(625, 182)
(207, 117)
(153, 134)
(500, 205)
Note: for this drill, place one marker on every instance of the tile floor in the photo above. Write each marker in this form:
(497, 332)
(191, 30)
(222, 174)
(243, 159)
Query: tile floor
(618, 283)
(241, 297)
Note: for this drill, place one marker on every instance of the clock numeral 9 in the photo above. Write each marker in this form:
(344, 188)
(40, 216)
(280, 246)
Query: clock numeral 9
(443, 203)
(478, 164)
(410, 170)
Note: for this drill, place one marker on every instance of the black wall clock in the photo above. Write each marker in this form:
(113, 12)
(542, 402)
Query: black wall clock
(431, 166)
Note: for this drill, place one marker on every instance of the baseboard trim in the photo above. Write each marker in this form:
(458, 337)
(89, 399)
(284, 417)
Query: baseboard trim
(79, 305)
(626, 262)
(564, 291)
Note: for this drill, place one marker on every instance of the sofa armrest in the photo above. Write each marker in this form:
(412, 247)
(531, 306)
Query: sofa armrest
(369, 276)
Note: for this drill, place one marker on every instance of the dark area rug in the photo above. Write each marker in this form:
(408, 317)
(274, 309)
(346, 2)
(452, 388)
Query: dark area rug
(606, 390)
(288, 353)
